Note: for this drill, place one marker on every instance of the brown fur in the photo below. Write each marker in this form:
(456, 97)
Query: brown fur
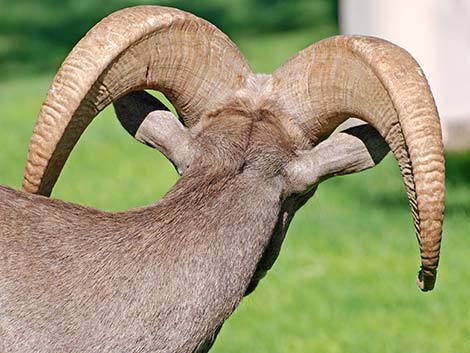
(162, 278)
(78, 279)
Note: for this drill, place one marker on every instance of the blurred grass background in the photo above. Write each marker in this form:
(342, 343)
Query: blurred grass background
(344, 281)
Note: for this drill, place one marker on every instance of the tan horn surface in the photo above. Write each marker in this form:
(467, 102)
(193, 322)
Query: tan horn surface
(376, 81)
(145, 47)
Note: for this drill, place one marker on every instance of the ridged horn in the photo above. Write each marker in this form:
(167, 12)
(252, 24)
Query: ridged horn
(145, 47)
(376, 81)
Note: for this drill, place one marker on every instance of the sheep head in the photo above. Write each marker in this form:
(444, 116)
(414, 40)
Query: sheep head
(275, 130)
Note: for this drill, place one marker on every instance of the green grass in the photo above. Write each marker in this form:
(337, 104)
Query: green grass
(344, 281)
(36, 35)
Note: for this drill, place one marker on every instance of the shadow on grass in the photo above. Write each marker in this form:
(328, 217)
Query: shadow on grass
(458, 169)
(458, 183)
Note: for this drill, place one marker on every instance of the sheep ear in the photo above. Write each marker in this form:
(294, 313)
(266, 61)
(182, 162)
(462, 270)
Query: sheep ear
(133, 108)
(150, 122)
(349, 151)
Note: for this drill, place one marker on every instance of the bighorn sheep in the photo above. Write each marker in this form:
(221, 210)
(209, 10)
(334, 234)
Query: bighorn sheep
(251, 150)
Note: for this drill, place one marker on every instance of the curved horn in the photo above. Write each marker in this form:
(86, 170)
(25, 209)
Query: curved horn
(145, 47)
(376, 81)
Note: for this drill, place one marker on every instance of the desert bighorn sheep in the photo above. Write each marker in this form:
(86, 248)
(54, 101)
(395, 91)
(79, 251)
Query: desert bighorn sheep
(163, 278)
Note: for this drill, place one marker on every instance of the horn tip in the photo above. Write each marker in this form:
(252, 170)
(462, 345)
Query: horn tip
(425, 281)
